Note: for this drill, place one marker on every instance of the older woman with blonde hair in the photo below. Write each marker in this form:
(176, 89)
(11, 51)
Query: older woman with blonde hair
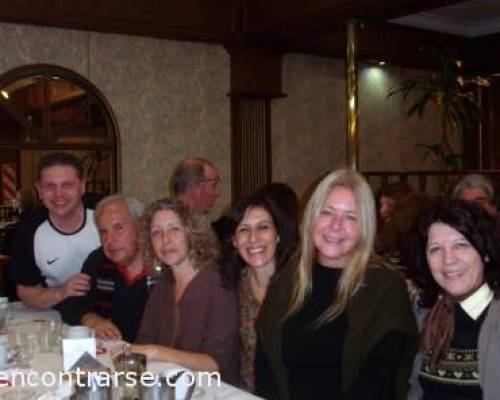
(337, 322)
(190, 318)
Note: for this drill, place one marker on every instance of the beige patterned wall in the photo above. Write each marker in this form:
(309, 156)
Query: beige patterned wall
(170, 98)
(309, 124)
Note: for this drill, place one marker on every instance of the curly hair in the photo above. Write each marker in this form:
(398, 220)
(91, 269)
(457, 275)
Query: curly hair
(475, 225)
(231, 261)
(203, 247)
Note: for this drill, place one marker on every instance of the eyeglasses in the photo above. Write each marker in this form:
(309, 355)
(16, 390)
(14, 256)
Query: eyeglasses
(214, 181)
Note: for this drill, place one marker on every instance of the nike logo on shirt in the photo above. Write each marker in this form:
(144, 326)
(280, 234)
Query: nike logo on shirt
(50, 262)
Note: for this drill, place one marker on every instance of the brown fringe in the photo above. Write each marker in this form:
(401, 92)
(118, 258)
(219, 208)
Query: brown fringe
(438, 328)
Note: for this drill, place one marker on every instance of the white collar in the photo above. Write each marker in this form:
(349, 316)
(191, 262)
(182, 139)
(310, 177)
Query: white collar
(476, 303)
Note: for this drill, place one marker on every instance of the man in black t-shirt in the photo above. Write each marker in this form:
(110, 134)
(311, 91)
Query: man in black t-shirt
(120, 284)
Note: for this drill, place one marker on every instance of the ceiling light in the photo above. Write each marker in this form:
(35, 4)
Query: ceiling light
(5, 94)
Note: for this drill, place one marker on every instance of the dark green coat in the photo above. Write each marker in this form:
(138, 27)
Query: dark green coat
(381, 305)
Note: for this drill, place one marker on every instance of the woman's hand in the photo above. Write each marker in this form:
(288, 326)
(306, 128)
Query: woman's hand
(117, 350)
(188, 359)
(151, 351)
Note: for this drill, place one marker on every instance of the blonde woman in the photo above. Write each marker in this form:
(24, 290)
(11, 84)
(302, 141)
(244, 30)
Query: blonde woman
(336, 323)
(190, 319)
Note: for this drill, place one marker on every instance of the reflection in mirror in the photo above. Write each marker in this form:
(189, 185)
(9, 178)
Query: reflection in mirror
(46, 108)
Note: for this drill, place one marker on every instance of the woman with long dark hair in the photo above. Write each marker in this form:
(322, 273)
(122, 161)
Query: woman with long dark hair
(261, 239)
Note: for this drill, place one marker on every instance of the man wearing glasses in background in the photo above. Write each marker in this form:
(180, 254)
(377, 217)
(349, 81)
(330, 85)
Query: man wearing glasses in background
(195, 181)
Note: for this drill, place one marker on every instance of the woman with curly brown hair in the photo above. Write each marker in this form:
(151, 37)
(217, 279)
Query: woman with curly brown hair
(190, 319)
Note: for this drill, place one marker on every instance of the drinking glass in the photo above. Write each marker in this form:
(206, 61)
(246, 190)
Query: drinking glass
(24, 346)
(4, 311)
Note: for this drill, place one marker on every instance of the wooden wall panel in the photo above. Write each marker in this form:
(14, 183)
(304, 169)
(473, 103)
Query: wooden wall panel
(204, 20)
(250, 144)
(256, 73)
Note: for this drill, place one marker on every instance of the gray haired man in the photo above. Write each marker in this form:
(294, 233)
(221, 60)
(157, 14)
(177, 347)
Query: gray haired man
(120, 282)
(476, 188)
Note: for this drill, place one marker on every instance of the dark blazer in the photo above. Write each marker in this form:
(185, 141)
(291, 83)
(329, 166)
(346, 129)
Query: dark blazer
(381, 305)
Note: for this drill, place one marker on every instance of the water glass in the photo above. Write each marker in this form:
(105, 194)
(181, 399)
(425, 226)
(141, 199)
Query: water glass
(4, 312)
(3, 320)
(4, 349)
(54, 329)
(24, 346)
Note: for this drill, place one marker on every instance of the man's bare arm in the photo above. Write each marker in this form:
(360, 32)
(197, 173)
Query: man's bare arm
(43, 297)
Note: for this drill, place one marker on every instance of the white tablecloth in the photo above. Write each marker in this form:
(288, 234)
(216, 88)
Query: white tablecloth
(43, 362)
(18, 312)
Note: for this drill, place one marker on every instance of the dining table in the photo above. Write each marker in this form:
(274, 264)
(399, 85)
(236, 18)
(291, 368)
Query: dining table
(24, 318)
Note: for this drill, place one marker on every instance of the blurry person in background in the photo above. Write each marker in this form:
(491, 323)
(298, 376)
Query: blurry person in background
(395, 237)
(476, 188)
(389, 195)
(260, 241)
(195, 182)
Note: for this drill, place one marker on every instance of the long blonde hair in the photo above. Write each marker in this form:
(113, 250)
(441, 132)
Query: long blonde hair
(354, 271)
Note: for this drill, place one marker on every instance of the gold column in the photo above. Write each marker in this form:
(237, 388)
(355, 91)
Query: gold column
(480, 127)
(352, 97)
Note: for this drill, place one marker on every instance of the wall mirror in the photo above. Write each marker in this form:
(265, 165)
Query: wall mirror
(45, 108)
